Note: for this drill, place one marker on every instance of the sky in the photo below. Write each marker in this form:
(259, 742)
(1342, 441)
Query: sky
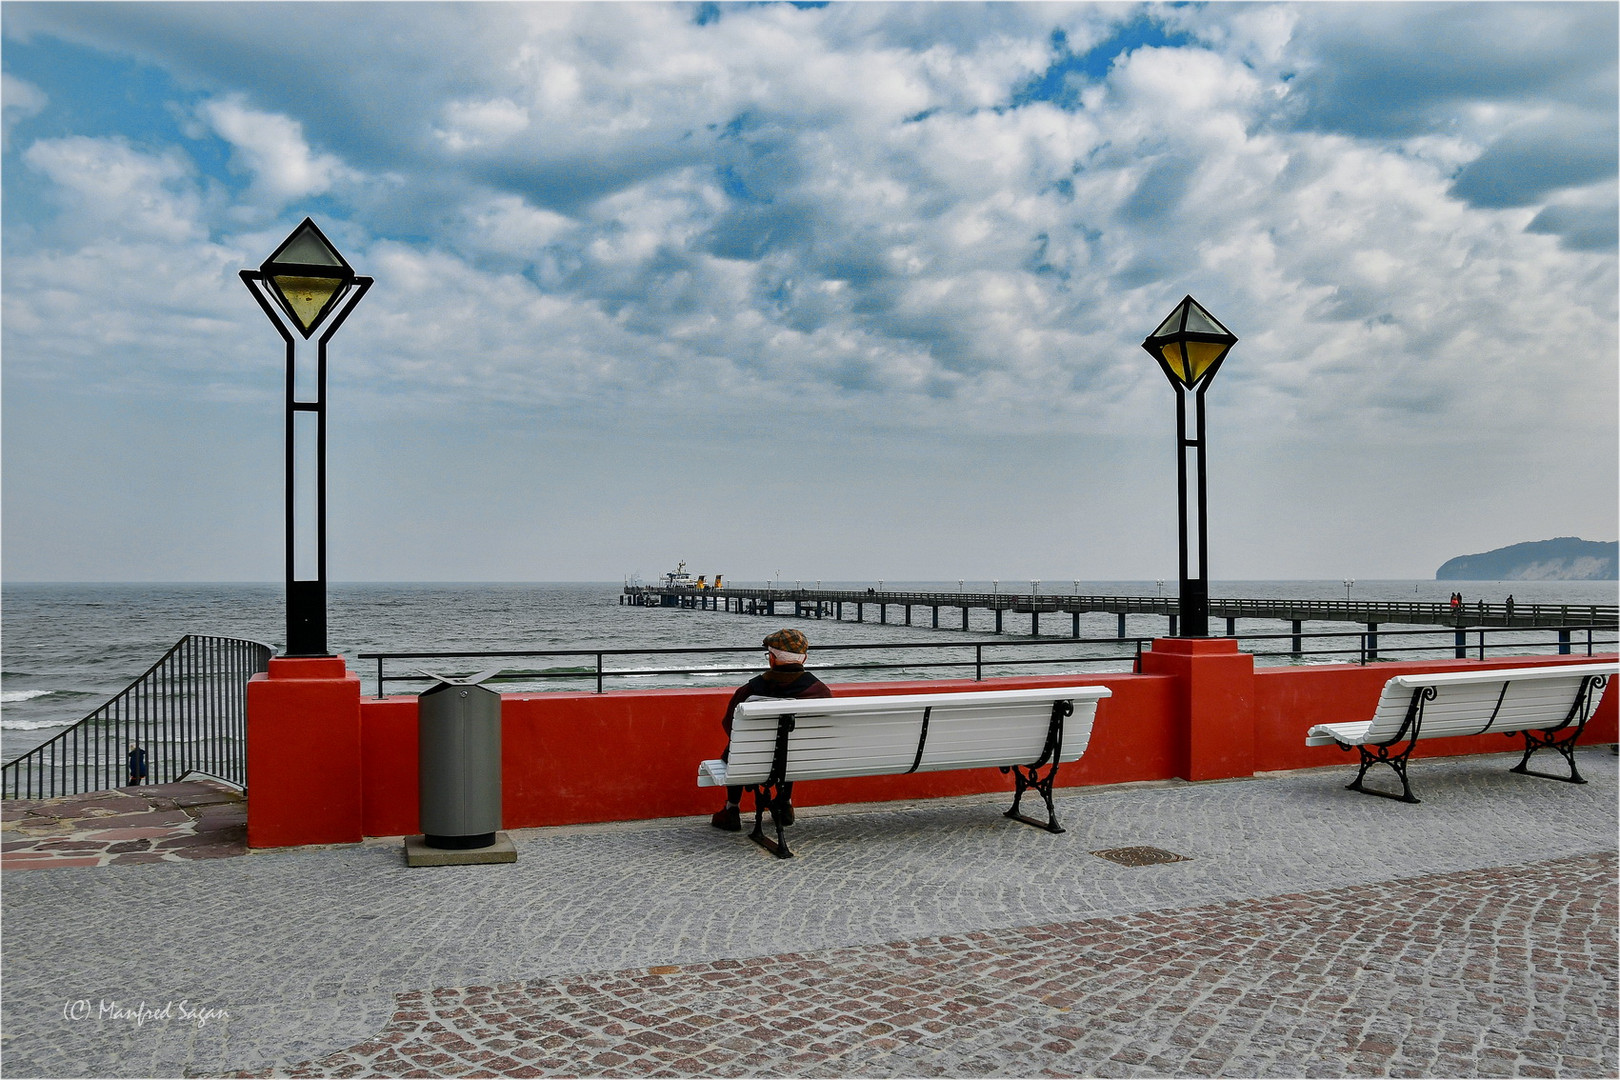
(844, 292)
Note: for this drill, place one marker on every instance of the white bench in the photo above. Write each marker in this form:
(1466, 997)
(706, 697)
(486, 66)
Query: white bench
(1548, 705)
(775, 741)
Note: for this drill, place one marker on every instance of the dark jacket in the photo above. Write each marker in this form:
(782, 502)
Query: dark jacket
(787, 681)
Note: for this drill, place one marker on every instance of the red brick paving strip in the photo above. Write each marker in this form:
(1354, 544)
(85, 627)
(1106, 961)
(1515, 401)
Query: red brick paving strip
(1500, 972)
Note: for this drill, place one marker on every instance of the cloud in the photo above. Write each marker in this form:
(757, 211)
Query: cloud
(272, 150)
(20, 99)
(108, 187)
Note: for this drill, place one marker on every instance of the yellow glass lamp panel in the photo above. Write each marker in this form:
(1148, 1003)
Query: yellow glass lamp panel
(1200, 355)
(306, 297)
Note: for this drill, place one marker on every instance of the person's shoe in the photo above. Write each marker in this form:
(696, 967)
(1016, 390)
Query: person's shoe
(783, 813)
(728, 819)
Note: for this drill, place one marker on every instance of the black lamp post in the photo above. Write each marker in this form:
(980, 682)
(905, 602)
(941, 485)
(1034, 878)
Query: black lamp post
(306, 284)
(1189, 346)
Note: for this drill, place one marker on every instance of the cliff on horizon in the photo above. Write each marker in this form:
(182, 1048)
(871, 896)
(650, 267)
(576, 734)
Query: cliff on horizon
(1563, 559)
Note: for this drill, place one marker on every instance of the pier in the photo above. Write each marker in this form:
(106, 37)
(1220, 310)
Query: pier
(903, 608)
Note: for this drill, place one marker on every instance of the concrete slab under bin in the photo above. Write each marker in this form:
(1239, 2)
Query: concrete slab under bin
(417, 853)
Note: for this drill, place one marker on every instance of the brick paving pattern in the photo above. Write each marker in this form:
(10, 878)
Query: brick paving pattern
(192, 819)
(1501, 972)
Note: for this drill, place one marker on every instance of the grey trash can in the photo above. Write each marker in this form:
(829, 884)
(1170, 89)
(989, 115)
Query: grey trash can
(459, 762)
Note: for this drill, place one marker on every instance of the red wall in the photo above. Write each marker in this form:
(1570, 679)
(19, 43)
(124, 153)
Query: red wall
(572, 758)
(1199, 711)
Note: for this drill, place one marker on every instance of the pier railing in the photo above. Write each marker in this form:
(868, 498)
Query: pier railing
(1406, 612)
(188, 712)
(566, 668)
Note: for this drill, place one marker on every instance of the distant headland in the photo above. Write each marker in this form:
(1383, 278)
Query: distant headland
(1563, 559)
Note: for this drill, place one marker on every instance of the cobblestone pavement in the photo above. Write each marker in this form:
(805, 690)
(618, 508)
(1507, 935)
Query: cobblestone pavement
(1479, 922)
(192, 819)
(1505, 972)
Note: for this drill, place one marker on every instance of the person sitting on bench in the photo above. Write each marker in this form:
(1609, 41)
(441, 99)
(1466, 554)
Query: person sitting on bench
(786, 678)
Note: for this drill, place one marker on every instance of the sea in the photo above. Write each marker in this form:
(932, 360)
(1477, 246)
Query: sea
(67, 648)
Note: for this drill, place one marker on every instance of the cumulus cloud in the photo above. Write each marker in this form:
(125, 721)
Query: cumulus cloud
(272, 150)
(970, 214)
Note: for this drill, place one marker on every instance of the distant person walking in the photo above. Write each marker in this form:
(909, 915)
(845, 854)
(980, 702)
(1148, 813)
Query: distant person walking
(137, 766)
(1510, 605)
(786, 652)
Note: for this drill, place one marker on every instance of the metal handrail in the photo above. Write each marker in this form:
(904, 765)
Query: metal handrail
(188, 711)
(600, 673)
(1366, 647)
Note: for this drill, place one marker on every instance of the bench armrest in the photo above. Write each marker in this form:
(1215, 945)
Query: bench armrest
(711, 774)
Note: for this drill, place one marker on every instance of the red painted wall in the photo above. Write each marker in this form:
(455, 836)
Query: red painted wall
(572, 758)
(325, 765)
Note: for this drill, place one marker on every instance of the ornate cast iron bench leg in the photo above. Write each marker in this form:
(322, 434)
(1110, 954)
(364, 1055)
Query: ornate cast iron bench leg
(1025, 777)
(1550, 740)
(766, 795)
(1396, 762)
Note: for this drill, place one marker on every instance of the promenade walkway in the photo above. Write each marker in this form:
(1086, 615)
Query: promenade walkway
(1307, 931)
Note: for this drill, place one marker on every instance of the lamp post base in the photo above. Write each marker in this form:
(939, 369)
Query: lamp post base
(1194, 608)
(306, 618)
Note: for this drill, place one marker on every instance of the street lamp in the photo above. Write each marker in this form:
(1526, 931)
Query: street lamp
(1035, 587)
(306, 285)
(1349, 583)
(1189, 346)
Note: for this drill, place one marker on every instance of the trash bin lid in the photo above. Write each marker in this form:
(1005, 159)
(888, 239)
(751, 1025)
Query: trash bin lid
(465, 680)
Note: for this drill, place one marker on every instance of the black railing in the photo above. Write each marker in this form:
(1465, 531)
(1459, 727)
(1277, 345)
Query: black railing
(999, 657)
(188, 712)
(973, 657)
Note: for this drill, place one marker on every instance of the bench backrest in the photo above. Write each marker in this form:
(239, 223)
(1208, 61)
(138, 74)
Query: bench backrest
(1476, 702)
(875, 736)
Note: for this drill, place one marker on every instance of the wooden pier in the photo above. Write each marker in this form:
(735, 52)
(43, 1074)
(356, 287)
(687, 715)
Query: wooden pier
(858, 605)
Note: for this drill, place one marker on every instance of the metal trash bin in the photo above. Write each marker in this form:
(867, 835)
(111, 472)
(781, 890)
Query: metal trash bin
(459, 762)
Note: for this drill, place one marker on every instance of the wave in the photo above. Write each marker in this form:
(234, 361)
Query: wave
(8, 697)
(35, 725)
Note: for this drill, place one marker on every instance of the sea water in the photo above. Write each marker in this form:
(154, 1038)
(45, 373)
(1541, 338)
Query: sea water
(67, 648)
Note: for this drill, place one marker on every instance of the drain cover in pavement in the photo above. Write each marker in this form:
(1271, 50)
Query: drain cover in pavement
(1139, 856)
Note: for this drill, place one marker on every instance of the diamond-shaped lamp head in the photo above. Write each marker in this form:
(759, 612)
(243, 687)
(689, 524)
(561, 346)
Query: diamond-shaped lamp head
(1190, 345)
(307, 276)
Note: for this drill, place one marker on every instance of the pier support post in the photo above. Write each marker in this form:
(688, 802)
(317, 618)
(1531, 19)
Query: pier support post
(1173, 626)
(1462, 644)
(1563, 642)
(908, 614)
(1231, 626)
(1372, 641)
(998, 620)
(860, 611)
(1034, 624)
(1122, 625)
(1076, 624)
(883, 614)
(936, 616)
(1298, 642)
(964, 617)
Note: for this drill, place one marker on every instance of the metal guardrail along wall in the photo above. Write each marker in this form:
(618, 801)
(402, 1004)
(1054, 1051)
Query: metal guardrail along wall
(980, 659)
(189, 712)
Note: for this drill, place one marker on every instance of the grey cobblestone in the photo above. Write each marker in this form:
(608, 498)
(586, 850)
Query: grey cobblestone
(310, 950)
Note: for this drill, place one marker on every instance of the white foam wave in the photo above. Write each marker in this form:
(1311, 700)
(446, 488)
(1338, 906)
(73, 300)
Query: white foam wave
(34, 725)
(9, 696)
